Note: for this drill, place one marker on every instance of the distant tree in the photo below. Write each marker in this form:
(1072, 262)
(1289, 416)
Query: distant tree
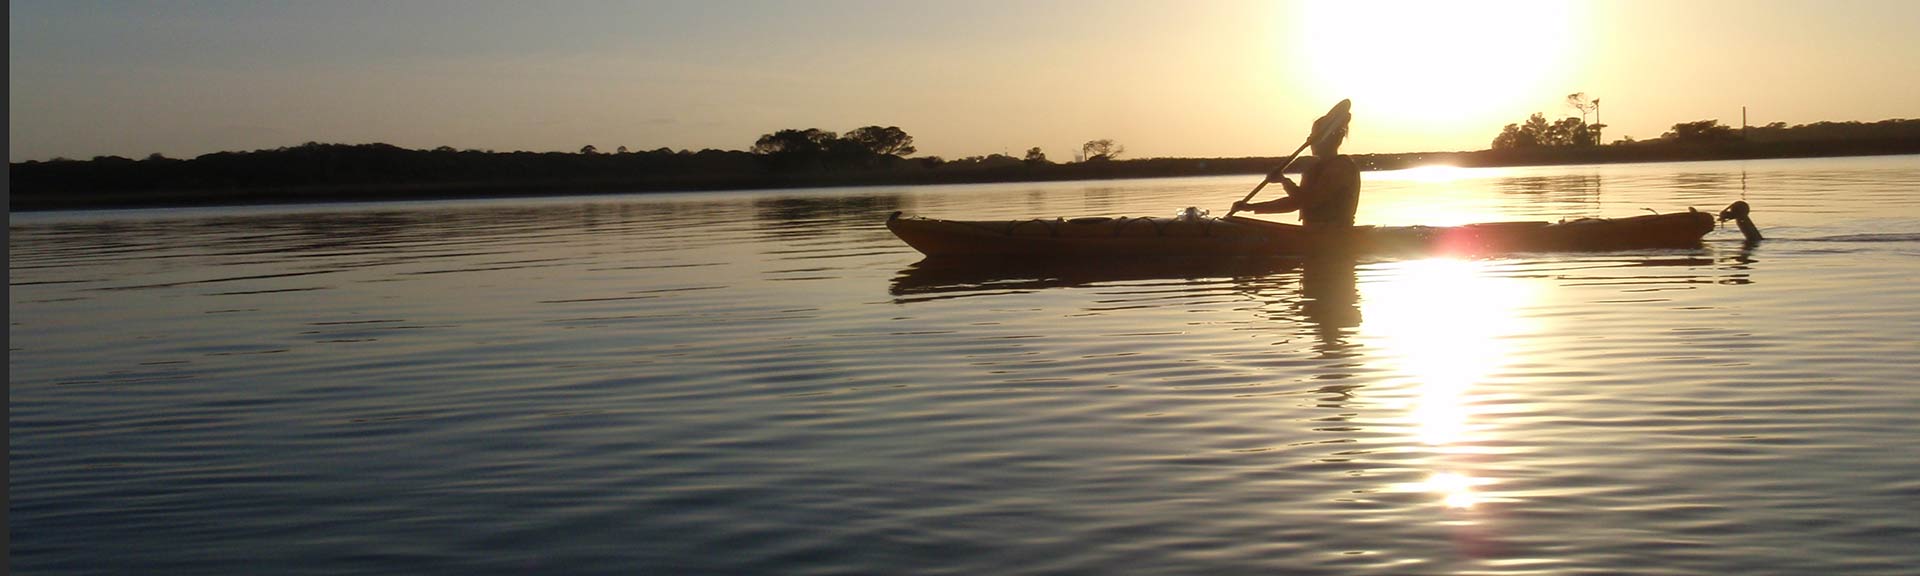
(804, 142)
(799, 150)
(1531, 134)
(589, 149)
(1035, 156)
(157, 157)
(620, 150)
(887, 141)
(1557, 135)
(988, 161)
(1513, 137)
(1569, 132)
(1538, 132)
(1700, 132)
(1538, 126)
(1101, 150)
(847, 153)
(445, 150)
(1579, 101)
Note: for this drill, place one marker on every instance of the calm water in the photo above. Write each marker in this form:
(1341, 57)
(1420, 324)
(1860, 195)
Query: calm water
(770, 383)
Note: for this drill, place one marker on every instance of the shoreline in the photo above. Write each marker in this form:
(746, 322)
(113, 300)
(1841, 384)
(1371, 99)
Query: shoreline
(1081, 171)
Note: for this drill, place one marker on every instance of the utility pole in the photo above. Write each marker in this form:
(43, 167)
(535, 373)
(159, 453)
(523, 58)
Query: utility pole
(1743, 122)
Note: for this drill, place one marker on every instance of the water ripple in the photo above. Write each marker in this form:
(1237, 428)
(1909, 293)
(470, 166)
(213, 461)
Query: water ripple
(769, 383)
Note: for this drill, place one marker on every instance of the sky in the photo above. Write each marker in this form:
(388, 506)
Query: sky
(964, 78)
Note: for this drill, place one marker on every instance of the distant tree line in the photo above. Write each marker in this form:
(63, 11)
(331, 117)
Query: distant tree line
(348, 165)
(1573, 133)
(869, 155)
(1562, 142)
(317, 172)
(1711, 132)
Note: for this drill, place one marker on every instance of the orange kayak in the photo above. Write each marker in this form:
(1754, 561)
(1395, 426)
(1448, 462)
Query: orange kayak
(1237, 236)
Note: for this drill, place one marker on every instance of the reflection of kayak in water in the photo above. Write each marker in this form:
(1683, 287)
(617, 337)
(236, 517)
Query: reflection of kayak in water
(996, 274)
(1092, 237)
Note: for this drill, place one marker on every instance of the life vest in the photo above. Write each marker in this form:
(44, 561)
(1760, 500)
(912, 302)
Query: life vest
(1330, 207)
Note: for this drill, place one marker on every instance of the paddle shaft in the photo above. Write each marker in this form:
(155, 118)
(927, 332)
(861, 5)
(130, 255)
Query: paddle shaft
(1263, 181)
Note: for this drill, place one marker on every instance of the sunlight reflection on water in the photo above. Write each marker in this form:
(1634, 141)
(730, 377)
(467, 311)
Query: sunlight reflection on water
(1444, 326)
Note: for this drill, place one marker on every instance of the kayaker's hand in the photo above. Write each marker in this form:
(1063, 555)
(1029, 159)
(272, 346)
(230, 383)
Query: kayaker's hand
(1242, 206)
(1288, 185)
(1277, 175)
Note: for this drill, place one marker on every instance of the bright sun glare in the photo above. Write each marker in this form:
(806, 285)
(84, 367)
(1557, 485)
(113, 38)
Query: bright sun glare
(1444, 323)
(1435, 68)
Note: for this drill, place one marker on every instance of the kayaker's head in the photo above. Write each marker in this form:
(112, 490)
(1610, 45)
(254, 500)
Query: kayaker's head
(1334, 126)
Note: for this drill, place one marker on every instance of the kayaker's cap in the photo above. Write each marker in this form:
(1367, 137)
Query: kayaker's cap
(1334, 123)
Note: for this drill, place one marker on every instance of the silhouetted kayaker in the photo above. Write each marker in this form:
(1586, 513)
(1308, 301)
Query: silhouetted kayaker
(1329, 190)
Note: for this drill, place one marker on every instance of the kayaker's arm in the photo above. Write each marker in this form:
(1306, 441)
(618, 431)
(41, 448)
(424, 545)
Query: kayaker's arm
(1285, 182)
(1288, 185)
(1296, 197)
(1338, 176)
(1283, 205)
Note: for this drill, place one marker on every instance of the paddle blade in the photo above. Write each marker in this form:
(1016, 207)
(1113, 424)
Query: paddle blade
(1336, 117)
(1343, 109)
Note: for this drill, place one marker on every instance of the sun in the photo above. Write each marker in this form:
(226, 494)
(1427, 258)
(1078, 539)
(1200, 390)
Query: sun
(1425, 69)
